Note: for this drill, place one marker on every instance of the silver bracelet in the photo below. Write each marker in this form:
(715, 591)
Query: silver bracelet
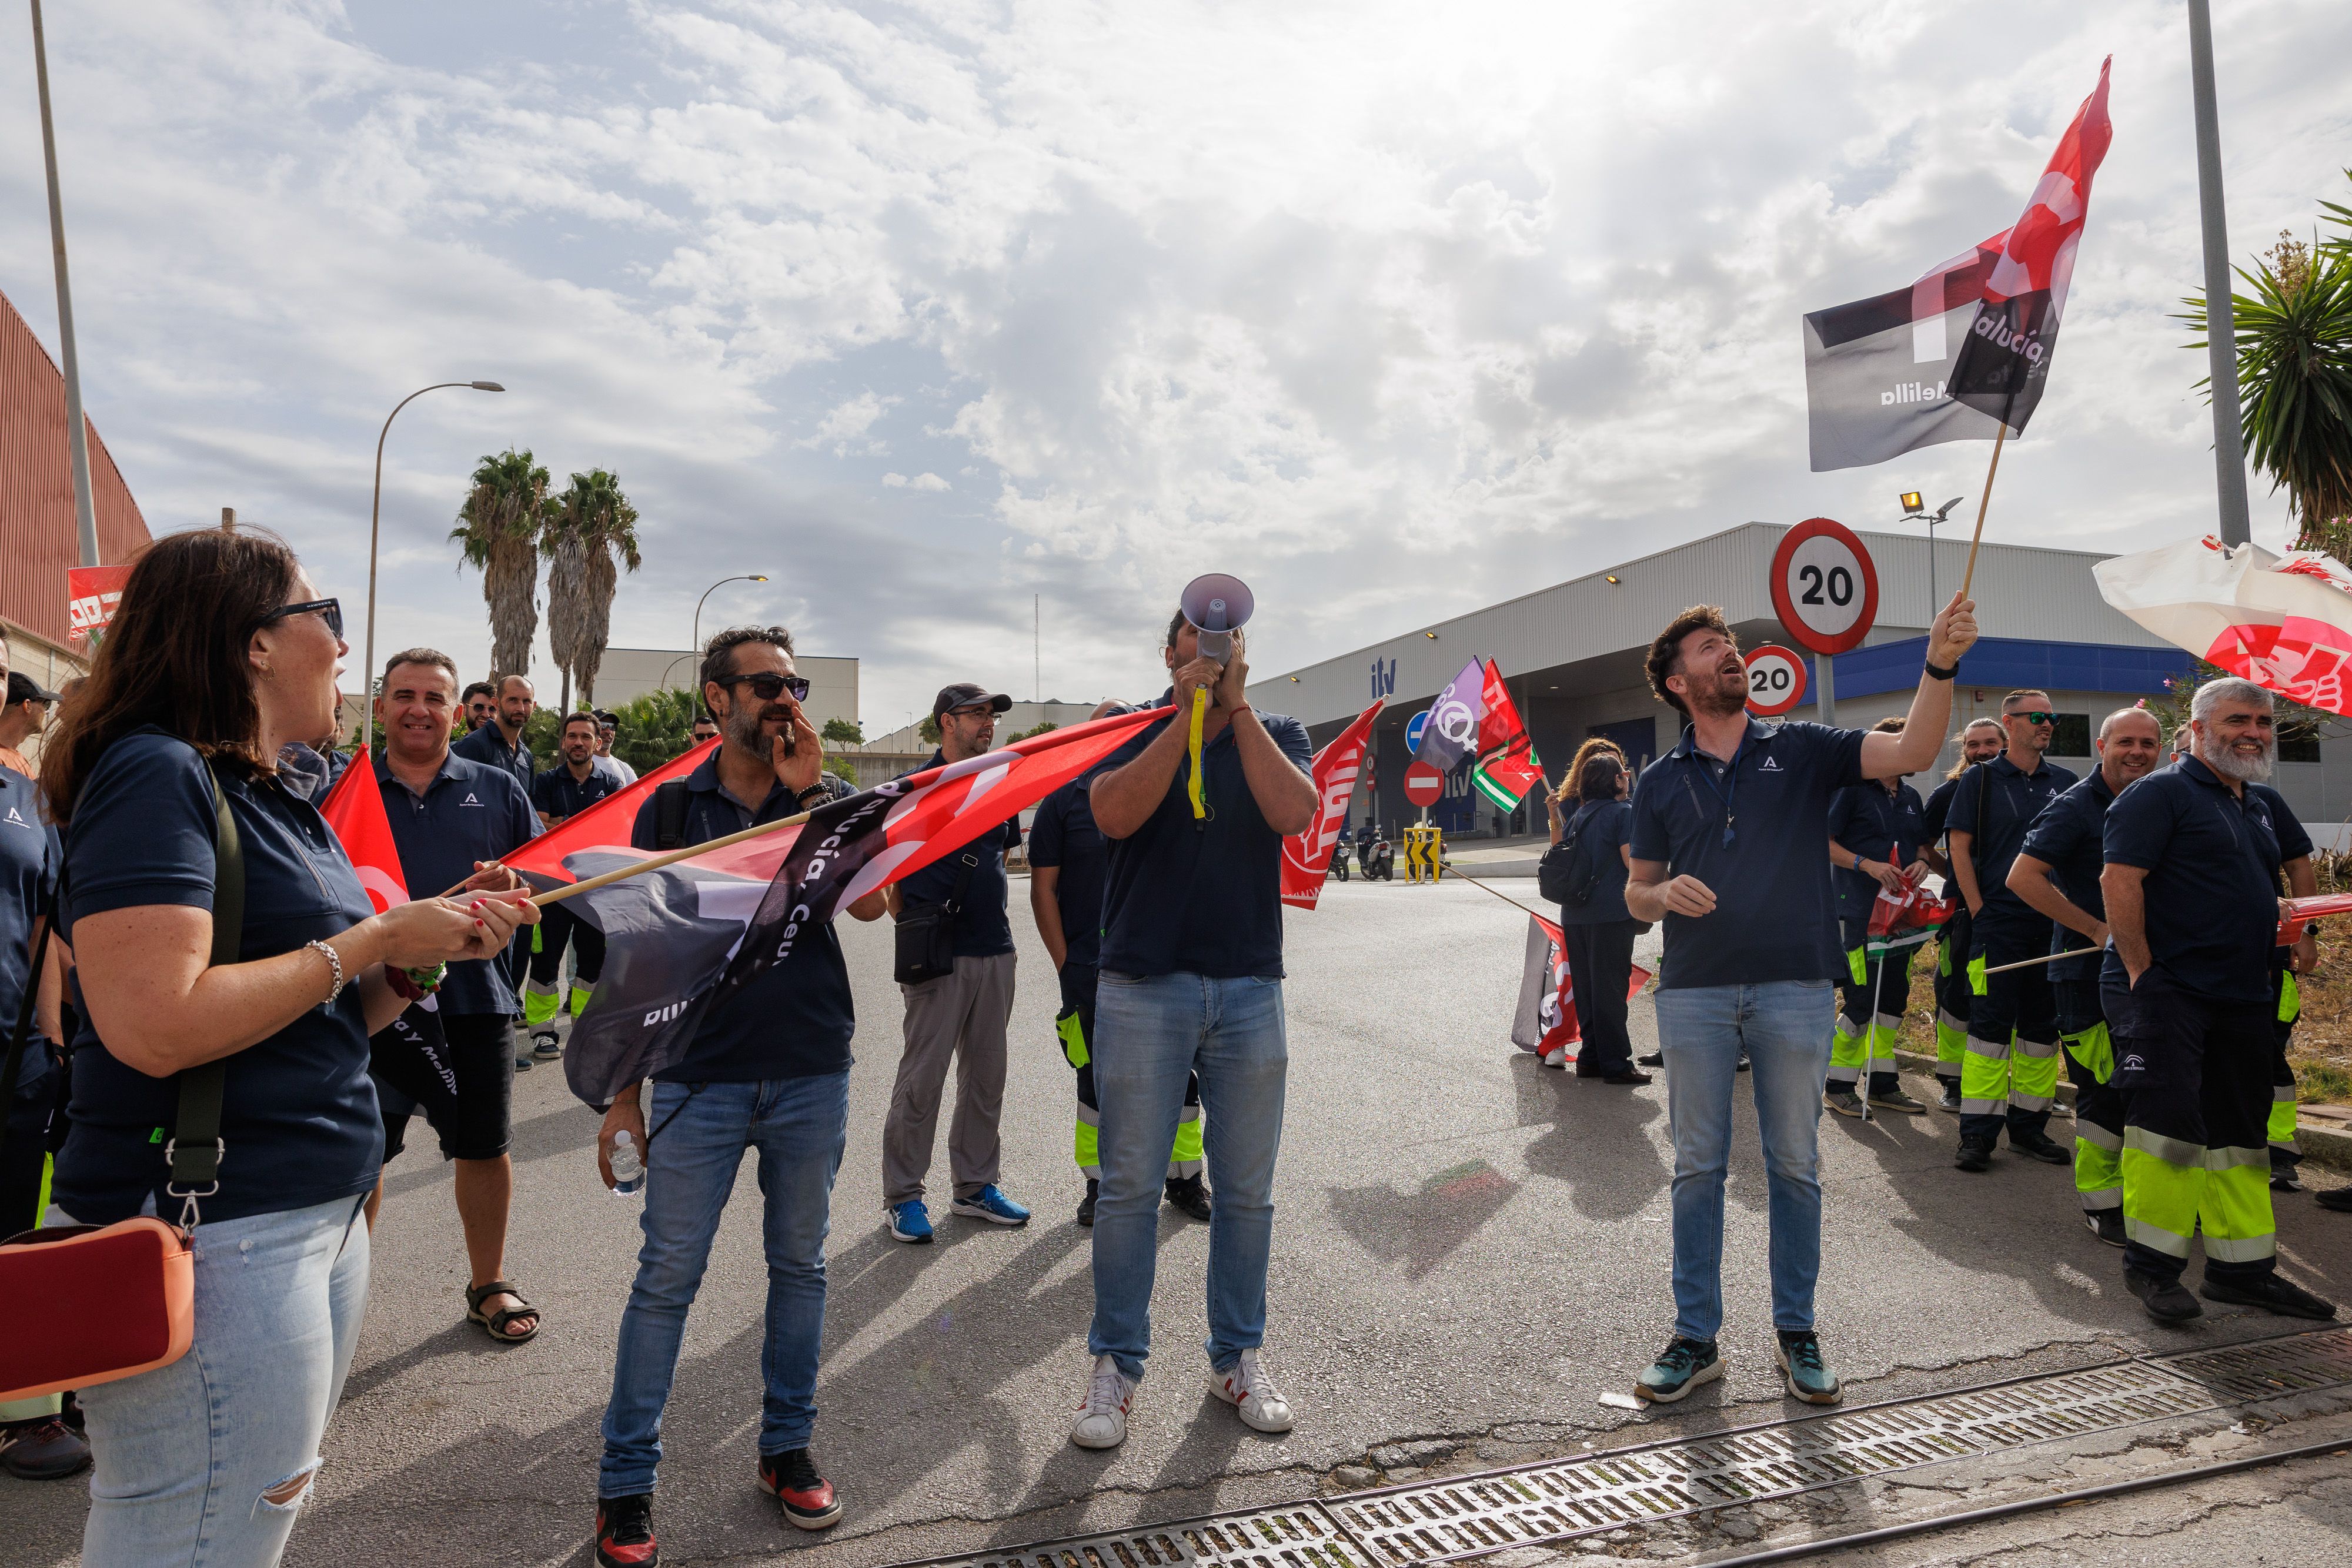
(335, 962)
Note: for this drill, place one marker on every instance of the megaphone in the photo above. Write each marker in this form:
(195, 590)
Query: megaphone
(1216, 604)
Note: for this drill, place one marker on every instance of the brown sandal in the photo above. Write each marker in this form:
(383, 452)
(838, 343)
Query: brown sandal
(495, 1323)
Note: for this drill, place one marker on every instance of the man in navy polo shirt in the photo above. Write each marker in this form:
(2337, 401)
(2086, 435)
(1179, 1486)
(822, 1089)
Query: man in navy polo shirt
(1876, 833)
(499, 744)
(1191, 982)
(767, 1071)
(2009, 1076)
(575, 783)
(1731, 850)
(2057, 873)
(2193, 853)
(1979, 740)
(452, 821)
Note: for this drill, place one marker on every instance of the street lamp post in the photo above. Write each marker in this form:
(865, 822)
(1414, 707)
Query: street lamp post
(375, 521)
(745, 576)
(1914, 511)
(69, 357)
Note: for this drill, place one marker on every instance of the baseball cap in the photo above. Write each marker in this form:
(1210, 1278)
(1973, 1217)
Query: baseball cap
(22, 688)
(963, 693)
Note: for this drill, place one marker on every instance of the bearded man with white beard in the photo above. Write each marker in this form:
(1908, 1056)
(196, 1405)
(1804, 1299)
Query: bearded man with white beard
(2192, 859)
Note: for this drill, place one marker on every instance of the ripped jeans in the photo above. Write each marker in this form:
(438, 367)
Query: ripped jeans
(203, 1463)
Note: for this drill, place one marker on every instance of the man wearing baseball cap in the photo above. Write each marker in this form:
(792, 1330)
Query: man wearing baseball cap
(26, 712)
(962, 1014)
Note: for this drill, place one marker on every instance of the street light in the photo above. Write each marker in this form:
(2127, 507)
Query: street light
(375, 521)
(1914, 511)
(747, 577)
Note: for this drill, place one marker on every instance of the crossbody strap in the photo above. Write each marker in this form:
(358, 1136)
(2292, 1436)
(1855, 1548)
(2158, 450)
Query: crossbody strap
(195, 1149)
(22, 1037)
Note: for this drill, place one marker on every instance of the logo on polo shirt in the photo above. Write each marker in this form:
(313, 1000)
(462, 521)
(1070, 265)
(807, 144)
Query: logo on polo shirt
(469, 800)
(2133, 1063)
(16, 820)
(1770, 766)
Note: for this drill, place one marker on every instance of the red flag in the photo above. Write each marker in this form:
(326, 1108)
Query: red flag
(93, 595)
(1546, 1023)
(1306, 857)
(609, 822)
(354, 811)
(1508, 764)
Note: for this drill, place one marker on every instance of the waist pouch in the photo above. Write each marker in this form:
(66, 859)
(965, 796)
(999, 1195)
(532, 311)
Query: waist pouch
(924, 942)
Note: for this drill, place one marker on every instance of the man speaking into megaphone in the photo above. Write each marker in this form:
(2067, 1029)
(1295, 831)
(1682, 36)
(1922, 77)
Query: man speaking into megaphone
(1191, 983)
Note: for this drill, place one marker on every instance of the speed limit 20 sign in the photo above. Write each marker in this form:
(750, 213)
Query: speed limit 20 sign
(1776, 680)
(1823, 586)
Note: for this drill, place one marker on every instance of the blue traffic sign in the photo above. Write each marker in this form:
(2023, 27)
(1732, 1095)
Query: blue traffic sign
(1412, 729)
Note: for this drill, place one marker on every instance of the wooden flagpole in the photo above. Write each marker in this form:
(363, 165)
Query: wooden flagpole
(2045, 958)
(1482, 887)
(672, 858)
(1983, 502)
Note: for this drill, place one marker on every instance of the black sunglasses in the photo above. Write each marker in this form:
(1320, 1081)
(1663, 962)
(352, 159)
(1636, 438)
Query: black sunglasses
(330, 611)
(767, 685)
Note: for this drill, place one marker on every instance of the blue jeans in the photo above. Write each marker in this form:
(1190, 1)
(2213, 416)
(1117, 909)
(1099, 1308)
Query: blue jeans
(1152, 1033)
(1785, 1024)
(698, 1134)
(203, 1463)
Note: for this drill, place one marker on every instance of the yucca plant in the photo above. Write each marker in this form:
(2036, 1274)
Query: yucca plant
(498, 526)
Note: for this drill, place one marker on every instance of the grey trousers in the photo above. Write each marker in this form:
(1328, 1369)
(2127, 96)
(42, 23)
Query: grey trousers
(962, 1015)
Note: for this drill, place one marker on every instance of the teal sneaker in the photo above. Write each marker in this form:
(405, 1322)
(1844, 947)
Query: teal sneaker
(1799, 1352)
(910, 1222)
(992, 1206)
(1680, 1368)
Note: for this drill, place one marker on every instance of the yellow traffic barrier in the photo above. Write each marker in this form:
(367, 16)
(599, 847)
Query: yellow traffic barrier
(1424, 853)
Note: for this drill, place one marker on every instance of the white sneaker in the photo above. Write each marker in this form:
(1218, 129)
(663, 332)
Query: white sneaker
(1556, 1057)
(1248, 1389)
(1102, 1420)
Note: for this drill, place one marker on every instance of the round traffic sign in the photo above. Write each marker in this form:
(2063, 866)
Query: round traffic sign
(1776, 680)
(1824, 589)
(1412, 729)
(1423, 784)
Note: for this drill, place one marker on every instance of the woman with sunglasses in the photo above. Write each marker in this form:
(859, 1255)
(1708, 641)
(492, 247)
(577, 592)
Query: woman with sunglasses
(221, 653)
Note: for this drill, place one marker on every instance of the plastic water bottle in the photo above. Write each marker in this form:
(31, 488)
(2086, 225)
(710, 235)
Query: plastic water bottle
(628, 1167)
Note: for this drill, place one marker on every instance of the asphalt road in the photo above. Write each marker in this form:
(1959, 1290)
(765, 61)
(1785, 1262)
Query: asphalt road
(1470, 1252)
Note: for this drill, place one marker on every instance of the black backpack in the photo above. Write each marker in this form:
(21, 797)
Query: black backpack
(1568, 875)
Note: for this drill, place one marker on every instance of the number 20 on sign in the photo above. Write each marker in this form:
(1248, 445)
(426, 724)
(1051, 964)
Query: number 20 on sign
(1824, 588)
(1776, 680)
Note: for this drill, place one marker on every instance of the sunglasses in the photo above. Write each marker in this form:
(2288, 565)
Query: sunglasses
(2035, 715)
(767, 685)
(975, 710)
(330, 611)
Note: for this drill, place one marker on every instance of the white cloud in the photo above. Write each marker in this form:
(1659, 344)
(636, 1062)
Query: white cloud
(919, 482)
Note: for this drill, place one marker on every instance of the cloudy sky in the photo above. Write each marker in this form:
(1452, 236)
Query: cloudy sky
(927, 308)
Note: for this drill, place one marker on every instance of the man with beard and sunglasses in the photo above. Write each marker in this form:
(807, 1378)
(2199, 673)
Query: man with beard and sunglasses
(2193, 854)
(767, 1071)
(1730, 849)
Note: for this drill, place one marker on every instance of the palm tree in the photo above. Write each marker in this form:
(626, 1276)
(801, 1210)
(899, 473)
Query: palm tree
(589, 534)
(2295, 379)
(499, 526)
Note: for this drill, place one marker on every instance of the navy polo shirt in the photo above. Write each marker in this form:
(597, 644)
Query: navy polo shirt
(1065, 835)
(2211, 895)
(487, 746)
(982, 930)
(30, 855)
(1932, 816)
(795, 1020)
(2068, 838)
(2011, 798)
(1200, 898)
(559, 795)
(1877, 825)
(470, 811)
(1774, 916)
(298, 1115)
(1607, 824)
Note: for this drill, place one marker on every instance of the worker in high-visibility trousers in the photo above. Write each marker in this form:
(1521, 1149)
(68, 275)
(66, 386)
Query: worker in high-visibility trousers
(1875, 829)
(2057, 874)
(1979, 740)
(2193, 858)
(2286, 1153)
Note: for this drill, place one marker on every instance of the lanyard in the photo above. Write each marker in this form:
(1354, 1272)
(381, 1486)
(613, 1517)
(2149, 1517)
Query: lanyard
(1726, 794)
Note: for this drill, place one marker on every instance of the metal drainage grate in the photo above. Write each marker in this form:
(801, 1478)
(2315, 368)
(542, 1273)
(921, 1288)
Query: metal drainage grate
(1473, 1515)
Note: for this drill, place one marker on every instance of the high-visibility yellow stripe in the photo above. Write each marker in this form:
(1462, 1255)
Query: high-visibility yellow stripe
(2280, 1131)
(2095, 1048)
(580, 995)
(2235, 1211)
(2160, 1199)
(1951, 1040)
(1074, 1038)
(2033, 1075)
(1184, 1158)
(2289, 1005)
(538, 1005)
(1977, 973)
(1858, 966)
(1087, 1146)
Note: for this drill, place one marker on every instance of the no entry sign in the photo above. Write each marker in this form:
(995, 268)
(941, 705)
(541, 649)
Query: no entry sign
(1423, 784)
(1824, 589)
(1776, 680)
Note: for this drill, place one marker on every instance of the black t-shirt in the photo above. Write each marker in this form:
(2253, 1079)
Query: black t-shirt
(2010, 797)
(1196, 897)
(559, 795)
(487, 746)
(2213, 858)
(1065, 835)
(1605, 825)
(1774, 915)
(2069, 838)
(1877, 825)
(982, 929)
(298, 1118)
(30, 855)
(470, 811)
(793, 1021)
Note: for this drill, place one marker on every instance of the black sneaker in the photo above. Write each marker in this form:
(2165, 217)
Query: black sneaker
(2284, 1180)
(45, 1449)
(1950, 1099)
(2167, 1301)
(1191, 1195)
(2273, 1295)
(1655, 1059)
(2106, 1224)
(1087, 1204)
(808, 1497)
(1628, 1079)
(1742, 1066)
(625, 1531)
(544, 1046)
(2040, 1146)
(1682, 1366)
(2339, 1199)
(1975, 1155)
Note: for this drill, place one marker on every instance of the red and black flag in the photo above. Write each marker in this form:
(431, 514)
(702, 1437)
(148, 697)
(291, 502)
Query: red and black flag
(683, 936)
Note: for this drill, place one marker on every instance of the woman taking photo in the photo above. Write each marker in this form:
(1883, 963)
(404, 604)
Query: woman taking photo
(223, 652)
(1599, 933)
